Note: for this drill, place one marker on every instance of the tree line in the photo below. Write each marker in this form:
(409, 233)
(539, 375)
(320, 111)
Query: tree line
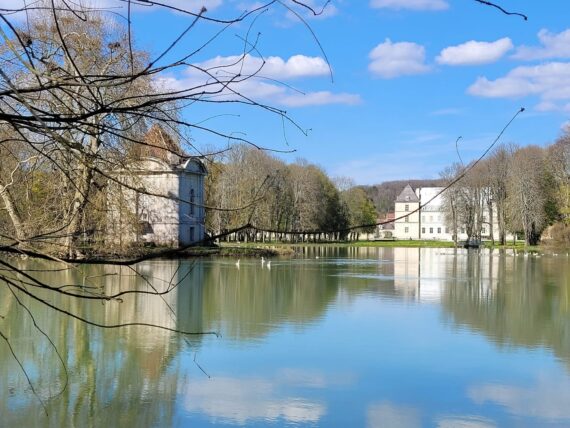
(296, 201)
(522, 190)
(384, 194)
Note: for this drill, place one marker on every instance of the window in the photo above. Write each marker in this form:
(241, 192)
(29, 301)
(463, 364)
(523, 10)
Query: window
(406, 208)
(145, 228)
(431, 230)
(484, 231)
(462, 230)
(439, 230)
(423, 230)
(423, 219)
(191, 234)
(407, 220)
(406, 230)
(191, 201)
(431, 219)
(447, 230)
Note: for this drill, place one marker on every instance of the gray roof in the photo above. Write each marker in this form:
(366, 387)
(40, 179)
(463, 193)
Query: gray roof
(407, 195)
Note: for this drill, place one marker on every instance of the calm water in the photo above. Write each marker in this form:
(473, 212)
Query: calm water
(375, 337)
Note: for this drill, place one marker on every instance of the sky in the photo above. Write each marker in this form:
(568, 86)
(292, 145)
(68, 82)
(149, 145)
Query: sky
(408, 78)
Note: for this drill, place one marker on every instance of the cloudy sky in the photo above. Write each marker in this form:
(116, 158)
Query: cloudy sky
(408, 78)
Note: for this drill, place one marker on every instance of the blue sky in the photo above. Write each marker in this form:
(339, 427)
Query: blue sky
(410, 76)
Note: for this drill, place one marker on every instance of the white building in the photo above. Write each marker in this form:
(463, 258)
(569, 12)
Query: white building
(168, 207)
(407, 218)
(429, 222)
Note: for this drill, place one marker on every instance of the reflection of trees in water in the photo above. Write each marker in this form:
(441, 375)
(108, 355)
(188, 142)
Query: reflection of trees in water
(117, 377)
(131, 376)
(120, 376)
(250, 302)
(513, 300)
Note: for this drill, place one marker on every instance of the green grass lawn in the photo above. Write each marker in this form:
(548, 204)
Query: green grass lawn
(519, 245)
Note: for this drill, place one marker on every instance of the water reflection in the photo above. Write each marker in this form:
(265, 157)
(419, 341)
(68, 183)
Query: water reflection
(387, 414)
(547, 398)
(241, 400)
(149, 377)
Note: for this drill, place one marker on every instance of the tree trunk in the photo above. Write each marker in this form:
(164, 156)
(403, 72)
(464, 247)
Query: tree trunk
(12, 213)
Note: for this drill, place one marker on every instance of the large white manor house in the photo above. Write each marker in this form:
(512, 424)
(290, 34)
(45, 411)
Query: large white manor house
(429, 222)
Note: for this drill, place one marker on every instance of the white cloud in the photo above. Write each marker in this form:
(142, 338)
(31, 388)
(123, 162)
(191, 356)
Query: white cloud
(259, 81)
(272, 67)
(475, 53)
(409, 4)
(465, 422)
(389, 60)
(553, 46)
(447, 112)
(549, 81)
(319, 98)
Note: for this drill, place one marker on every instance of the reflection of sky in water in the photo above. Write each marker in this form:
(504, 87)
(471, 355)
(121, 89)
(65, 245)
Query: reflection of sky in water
(324, 342)
(239, 400)
(546, 398)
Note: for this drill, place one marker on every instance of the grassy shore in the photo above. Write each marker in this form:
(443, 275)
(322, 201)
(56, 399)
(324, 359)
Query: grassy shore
(279, 246)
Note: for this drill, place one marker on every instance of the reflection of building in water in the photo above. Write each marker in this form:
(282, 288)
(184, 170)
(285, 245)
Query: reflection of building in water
(407, 271)
(423, 273)
(180, 308)
(419, 273)
(113, 373)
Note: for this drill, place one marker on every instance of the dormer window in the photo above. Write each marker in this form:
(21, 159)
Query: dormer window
(407, 199)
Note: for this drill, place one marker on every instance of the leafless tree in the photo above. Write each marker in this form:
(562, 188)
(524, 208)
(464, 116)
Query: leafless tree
(498, 166)
(527, 193)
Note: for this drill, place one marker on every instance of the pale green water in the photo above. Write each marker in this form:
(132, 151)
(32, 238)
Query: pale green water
(358, 337)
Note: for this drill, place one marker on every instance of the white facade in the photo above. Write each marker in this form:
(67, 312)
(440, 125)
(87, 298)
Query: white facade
(430, 222)
(406, 224)
(432, 217)
(167, 210)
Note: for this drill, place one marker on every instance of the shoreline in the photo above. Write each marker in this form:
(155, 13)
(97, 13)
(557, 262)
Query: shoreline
(386, 244)
(261, 249)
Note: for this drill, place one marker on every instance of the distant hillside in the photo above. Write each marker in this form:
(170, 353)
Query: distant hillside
(383, 195)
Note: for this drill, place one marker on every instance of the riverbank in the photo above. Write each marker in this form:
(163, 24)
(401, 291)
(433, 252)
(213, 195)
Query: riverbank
(282, 246)
(238, 250)
(260, 249)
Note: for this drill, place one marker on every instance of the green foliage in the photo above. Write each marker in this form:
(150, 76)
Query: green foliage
(361, 209)
(273, 195)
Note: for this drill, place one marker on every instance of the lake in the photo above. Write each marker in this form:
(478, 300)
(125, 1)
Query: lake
(335, 337)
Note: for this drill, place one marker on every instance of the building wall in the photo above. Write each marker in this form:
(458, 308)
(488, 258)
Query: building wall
(406, 228)
(142, 217)
(432, 217)
(160, 213)
(192, 216)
